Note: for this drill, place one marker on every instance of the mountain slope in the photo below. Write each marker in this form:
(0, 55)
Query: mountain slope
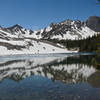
(28, 46)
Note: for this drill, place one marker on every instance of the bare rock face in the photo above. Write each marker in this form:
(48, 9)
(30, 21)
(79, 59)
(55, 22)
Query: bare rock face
(94, 23)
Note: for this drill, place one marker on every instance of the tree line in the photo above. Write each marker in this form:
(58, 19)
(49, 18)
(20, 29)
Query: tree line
(85, 45)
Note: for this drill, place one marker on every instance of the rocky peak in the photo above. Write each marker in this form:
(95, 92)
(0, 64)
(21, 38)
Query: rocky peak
(1, 27)
(67, 22)
(15, 27)
(94, 23)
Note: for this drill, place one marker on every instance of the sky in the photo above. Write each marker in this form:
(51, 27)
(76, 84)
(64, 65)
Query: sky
(37, 14)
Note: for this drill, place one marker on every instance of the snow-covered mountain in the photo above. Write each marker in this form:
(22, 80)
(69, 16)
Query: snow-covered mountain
(18, 40)
(12, 41)
(68, 29)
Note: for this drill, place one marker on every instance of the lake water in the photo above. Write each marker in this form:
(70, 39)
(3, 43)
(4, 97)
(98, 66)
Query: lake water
(49, 77)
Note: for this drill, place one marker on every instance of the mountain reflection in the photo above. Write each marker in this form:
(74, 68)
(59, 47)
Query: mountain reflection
(72, 69)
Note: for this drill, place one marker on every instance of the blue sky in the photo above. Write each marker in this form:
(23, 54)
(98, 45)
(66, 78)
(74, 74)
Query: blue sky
(36, 14)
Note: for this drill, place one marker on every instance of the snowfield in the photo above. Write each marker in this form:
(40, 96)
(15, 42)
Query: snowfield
(28, 46)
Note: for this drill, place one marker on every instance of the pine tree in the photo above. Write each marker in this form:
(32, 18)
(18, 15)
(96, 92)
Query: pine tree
(98, 45)
(96, 60)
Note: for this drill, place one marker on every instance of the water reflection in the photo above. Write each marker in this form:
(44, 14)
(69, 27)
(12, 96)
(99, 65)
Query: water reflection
(94, 79)
(49, 78)
(69, 70)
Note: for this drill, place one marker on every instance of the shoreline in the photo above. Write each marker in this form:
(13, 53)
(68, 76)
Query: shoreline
(49, 54)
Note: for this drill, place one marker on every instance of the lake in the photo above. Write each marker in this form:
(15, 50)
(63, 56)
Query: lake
(49, 77)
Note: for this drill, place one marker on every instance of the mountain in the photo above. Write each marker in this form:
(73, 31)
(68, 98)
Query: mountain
(18, 40)
(94, 23)
(68, 29)
(17, 29)
(13, 41)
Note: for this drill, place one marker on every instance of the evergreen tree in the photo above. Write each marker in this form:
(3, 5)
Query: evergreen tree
(98, 45)
(96, 60)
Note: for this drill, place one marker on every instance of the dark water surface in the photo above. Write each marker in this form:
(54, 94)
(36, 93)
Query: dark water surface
(64, 77)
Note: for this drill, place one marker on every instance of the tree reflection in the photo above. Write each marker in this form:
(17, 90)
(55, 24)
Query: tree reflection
(94, 80)
(68, 70)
